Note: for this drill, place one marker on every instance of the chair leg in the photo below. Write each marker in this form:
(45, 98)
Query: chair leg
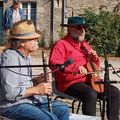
(78, 108)
(100, 106)
(58, 97)
(73, 104)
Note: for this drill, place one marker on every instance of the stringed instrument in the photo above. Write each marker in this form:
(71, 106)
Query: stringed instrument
(91, 67)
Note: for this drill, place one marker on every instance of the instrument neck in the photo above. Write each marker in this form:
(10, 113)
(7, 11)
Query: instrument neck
(88, 57)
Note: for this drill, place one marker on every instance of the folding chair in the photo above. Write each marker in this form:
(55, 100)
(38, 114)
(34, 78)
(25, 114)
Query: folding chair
(62, 95)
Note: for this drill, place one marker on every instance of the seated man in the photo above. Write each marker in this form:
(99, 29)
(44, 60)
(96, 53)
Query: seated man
(74, 79)
(19, 99)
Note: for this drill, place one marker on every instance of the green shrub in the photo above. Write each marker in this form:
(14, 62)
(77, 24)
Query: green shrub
(104, 31)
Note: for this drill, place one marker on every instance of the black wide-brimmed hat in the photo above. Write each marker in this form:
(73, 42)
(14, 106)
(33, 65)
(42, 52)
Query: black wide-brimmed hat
(75, 21)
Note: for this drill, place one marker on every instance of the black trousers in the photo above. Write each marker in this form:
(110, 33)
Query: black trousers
(89, 97)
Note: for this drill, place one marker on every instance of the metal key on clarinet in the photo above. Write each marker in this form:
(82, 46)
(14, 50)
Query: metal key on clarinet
(45, 72)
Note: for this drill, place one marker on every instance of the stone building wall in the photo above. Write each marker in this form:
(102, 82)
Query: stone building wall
(43, 19)
(72, 7)
(75, 7)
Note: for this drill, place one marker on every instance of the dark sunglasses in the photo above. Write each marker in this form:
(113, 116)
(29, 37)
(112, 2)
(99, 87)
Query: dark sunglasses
(80, 28)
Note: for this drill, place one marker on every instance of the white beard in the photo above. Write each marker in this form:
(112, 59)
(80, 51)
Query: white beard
(77, 37)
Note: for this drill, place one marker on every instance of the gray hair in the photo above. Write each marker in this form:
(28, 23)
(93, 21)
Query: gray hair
(14, 43)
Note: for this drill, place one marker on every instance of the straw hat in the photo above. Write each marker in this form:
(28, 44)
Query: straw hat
(24, 29)
(75, 21)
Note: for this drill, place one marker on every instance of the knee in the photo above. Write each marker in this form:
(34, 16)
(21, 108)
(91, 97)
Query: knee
(61, 107)
(92, 96)
(115, 92)
(64, 108)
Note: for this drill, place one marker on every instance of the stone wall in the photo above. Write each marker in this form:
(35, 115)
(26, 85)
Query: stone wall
(71, 7)
(75, 7)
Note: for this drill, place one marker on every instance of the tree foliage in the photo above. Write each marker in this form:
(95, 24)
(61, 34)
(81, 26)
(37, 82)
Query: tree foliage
(104, 31)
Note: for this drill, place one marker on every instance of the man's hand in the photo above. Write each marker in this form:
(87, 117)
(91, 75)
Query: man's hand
(43, 89)
(82, 70)
(41, 78)
(44, 78)
(40, 89)
(94, 54)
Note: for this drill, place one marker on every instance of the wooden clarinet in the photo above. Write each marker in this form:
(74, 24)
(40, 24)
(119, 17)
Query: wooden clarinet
(45, 72)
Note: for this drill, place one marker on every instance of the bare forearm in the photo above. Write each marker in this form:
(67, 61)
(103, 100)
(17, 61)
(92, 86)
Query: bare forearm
(40, 89)
(29, 92)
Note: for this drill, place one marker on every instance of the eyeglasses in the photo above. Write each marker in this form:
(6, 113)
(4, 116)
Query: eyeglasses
(80, 28)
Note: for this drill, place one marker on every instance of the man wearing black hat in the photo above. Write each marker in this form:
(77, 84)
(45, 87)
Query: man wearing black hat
(74, 79)
(12, 15)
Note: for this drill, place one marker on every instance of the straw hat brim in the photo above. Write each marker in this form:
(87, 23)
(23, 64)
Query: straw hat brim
(26, 37)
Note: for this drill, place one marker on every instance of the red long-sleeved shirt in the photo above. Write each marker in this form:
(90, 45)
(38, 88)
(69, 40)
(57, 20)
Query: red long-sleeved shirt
(63, 50)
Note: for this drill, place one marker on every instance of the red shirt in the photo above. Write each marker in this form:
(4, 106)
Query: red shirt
(63, 50)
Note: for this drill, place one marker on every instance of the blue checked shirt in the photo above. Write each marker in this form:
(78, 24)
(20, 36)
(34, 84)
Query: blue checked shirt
(15, 81)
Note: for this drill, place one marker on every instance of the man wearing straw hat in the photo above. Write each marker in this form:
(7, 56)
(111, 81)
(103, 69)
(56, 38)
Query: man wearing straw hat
(19, 99)
(74, 79)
